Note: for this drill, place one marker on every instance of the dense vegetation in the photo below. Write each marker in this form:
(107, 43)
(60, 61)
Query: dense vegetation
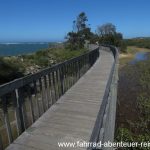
(107, 34)
(133, 117)
(14, 67)
(10, 69)
(139, 42)
(81, 34)
(75, 45)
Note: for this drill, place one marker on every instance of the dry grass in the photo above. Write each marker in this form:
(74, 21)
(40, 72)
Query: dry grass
(125, 58)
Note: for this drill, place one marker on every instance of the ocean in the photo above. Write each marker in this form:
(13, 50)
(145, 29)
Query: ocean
(14, 49)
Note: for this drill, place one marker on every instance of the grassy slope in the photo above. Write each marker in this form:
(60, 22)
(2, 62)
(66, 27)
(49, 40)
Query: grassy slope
(14, 67)
(125, 58)
(133, 110)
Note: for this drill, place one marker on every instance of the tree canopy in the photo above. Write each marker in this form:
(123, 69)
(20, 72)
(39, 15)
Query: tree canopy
(81, 32)
(106, 29)
(108, 35)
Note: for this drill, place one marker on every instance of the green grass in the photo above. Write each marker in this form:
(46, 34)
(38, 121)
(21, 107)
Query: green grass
(125, 58)
(14, 67)
(139, 42)
(134, 94)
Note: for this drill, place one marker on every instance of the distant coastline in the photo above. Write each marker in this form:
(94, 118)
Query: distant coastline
(22, 48)
(9, 43)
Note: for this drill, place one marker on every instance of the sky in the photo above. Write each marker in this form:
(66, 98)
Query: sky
(50, 20)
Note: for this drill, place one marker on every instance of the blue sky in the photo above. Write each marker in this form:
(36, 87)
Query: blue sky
(50, 20)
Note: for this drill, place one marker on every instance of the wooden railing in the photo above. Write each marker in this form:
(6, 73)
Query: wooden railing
(105, 123)
(24, 100)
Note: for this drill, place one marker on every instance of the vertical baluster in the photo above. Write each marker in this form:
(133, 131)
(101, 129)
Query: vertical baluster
(21, 92)
(79, 68)
(85, 67)
(1, 143)
(36, 98)
(17, 115)
(51, 88)
(71, 73)
(6, 118)
(76, 64)
(82, 59)
(31, 104)
(67, 77)
(63, 77)
(19, 112)
(61, 80)
(74, 73)
(87, 61)
(81, 62)
(93, 58)
(63, 73)
(57, 84)
(43, 95)
(84, 64)
(47, 92)
(54, 85)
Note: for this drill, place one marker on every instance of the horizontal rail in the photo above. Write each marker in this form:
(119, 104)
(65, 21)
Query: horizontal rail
(104, 126)
(6, 88)
(24, 100)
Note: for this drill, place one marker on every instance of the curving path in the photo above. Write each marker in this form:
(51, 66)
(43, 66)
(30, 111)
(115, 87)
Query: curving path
(73, 117)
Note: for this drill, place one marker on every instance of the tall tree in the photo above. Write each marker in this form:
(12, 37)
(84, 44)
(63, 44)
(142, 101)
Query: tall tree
(80, 33)
(80, 22)
(107, 34)
(106, 29)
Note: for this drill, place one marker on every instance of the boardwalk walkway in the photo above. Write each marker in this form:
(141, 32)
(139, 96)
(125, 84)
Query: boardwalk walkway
(73, 117)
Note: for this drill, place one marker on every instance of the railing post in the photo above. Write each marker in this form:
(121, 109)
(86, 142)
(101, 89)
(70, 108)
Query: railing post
(51, 88)
(42, 94)
(47, 96)
(41, 90)
(62, 80)
(21, 124)
(78, 68)
(1, 143)
(36, 97)
(31, 104)
(6, 118)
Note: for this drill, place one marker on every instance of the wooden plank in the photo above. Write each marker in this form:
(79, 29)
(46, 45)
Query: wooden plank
(73, 116)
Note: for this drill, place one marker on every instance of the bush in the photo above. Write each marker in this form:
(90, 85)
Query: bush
(10, 70)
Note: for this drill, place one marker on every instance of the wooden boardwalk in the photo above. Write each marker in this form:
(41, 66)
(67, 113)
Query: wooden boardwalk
(73, 116)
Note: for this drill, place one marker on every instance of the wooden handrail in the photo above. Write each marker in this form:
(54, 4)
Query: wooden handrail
(38, 92)
(104, 126)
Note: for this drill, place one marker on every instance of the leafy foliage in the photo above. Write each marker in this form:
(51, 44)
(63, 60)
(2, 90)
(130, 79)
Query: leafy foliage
(138, 129)
(15, 67)
(108, 35)
(81, 32)
(10, 70)
(139, 42)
